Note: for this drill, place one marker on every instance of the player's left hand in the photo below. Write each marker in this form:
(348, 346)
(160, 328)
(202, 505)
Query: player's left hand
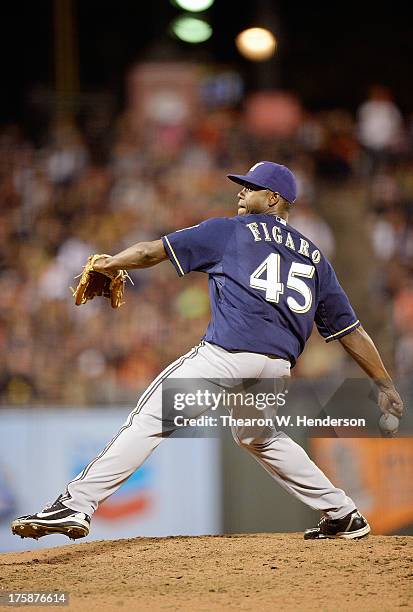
(97, 280)
(99, 264)
(390, 402)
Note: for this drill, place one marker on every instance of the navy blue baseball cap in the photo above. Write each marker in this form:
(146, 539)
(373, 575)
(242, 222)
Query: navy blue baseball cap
(268, 175)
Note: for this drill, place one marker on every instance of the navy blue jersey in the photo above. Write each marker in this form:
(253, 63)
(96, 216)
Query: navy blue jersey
(268, 284)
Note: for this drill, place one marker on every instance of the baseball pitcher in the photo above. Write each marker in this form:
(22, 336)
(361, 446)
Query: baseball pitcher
(268, 284)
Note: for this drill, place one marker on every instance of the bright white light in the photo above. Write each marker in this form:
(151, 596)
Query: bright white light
(191, 29)
(194, 6)
(256, 44)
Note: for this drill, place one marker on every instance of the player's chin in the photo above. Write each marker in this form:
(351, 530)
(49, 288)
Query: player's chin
(241, 210)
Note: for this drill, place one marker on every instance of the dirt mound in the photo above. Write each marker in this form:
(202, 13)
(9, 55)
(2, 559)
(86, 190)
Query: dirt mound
(240, 572)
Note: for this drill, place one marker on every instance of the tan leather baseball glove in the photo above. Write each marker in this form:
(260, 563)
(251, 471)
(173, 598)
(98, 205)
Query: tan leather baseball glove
(109, 284)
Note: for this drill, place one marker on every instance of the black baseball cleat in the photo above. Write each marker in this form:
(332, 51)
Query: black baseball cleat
(350, 527)
(55, 518)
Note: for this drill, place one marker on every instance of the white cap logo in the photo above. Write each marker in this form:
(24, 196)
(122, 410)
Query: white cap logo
(255, 166)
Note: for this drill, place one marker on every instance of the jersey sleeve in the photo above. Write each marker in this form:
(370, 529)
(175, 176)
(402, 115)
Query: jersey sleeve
(334, 316)
(199, 248)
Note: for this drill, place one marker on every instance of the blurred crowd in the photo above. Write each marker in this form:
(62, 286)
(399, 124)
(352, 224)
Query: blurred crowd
(104, 184)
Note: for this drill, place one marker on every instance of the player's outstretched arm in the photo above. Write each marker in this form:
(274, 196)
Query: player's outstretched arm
(361, 347)
(140, 255)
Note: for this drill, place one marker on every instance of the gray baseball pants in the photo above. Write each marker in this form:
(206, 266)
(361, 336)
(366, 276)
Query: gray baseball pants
(287, 463)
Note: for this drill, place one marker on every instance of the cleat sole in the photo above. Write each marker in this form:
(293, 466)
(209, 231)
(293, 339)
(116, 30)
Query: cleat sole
(36, 530)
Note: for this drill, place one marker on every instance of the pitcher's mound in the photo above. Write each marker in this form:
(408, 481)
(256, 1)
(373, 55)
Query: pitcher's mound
(240, 572)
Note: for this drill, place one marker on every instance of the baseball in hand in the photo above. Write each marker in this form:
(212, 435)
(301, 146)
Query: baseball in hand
(389, 423)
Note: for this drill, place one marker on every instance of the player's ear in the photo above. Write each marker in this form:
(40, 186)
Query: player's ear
(274, 198)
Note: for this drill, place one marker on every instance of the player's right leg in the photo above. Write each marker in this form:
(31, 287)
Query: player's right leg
(290, 466)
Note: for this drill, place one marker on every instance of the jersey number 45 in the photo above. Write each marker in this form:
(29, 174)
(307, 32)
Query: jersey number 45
(273, 286)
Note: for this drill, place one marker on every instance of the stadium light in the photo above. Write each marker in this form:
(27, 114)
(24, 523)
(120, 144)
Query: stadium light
(194, 6)
(256, 44)
(191, 29)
